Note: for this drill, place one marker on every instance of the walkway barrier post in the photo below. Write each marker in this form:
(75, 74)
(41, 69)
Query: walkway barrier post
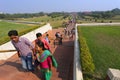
(77, 71)
(113, 74)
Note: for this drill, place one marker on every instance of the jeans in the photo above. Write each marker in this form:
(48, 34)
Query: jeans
(27, 62)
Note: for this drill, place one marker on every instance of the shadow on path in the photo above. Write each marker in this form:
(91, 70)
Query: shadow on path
(64, 56)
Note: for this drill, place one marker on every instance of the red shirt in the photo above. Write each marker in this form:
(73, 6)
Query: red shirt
(46, 44)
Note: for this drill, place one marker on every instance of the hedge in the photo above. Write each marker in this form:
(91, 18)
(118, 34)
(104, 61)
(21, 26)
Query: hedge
(87, 64)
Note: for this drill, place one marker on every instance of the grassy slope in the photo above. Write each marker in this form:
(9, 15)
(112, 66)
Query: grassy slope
(38, 19)
(55, 22)
(104, 44)
(6, 26)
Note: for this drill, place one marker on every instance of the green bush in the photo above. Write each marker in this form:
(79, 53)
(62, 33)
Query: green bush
(86, 59)
(87, 64)
(27, 30)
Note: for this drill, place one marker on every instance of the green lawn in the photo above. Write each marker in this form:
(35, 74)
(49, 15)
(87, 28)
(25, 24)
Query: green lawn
(104, 45)
(6, 26)
(24, 28)
(55, 22)
(37, 19)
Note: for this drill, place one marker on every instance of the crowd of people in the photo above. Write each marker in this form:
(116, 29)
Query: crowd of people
(59, 37)
(37, 55)
(34, 55)
(69, 33)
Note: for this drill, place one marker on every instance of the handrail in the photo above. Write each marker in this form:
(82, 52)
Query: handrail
(1, 51)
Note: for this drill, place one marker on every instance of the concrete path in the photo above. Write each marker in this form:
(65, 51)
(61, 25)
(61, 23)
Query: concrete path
(98, 24)
(11, 69)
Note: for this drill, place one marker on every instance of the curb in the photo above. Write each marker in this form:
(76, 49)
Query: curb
(77, 74)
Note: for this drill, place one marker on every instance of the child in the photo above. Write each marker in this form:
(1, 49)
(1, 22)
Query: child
(46, 60)
(47, 38)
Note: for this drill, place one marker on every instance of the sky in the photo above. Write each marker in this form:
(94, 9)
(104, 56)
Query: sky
(35, 6)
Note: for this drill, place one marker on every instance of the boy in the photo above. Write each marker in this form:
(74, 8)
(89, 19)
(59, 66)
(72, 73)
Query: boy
(24, 48)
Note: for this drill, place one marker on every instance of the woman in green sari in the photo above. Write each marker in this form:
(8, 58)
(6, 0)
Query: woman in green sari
(46, 60)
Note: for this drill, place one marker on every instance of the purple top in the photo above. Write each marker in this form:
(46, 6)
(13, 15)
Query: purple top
(24, 46)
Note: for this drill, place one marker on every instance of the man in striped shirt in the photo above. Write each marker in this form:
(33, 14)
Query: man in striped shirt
(24, 48)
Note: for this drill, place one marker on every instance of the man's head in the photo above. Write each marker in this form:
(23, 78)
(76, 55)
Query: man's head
(39, 36)
(47, 35)
(13, 34)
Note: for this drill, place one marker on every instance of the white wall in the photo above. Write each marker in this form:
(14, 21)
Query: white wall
(31, 36)
(77, 71)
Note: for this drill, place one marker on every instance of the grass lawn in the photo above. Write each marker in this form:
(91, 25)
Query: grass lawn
(55, 22)
(37, 19)
(24, 28)
(104, 45)
(6, 26)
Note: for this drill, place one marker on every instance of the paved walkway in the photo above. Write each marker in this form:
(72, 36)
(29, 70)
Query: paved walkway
(11, 69)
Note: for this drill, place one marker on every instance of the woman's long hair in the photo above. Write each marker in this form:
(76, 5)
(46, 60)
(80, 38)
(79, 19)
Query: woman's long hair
(41, 44)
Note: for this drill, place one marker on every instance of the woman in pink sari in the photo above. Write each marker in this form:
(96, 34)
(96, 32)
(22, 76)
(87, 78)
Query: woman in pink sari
(46, 60)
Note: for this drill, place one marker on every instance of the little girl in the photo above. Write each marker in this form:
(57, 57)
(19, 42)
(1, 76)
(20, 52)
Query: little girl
(46, 60)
